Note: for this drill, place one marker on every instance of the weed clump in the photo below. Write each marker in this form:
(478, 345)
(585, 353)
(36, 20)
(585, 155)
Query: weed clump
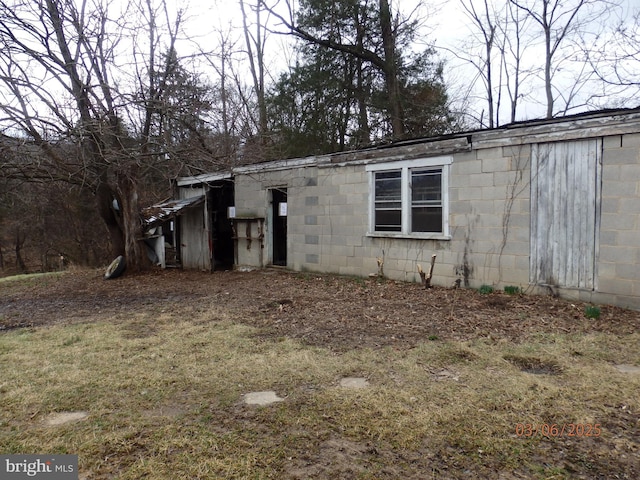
(485, 289)
(591, 311)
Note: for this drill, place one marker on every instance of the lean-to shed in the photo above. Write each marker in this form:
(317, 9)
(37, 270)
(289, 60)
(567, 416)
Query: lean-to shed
(541, 205)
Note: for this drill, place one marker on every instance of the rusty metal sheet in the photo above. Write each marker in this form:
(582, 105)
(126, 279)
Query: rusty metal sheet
(161, 212)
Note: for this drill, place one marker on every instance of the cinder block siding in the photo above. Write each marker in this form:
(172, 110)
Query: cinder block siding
(618, 273)
(328, 221)
(489, 220)
(337, 204)
(304, 212)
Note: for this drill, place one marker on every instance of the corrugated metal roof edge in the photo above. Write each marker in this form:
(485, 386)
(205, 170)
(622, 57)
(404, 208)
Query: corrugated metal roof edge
(161, 212)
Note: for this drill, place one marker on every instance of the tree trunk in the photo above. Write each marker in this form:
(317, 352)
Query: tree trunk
(547, 72)
(256, 67)
(134, 248)
(488, 48)
(546, 26)
(22, 267)
(364, 132)
(111, 216)
(391, 70)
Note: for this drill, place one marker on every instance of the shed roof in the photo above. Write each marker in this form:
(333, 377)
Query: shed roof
(161, 212)
(570, 127)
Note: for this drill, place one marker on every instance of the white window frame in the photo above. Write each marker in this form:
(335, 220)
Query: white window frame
(406, 166)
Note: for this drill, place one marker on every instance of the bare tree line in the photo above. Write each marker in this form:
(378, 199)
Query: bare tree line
(114, 99)
(562, 48)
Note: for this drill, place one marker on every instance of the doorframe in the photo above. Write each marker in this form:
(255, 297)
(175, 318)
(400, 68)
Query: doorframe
(273, 228)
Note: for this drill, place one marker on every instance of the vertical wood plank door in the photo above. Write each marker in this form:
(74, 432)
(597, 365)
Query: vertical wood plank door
(565, 213)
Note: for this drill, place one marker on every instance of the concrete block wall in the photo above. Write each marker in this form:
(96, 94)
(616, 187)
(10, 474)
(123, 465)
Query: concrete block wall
(489, 221)
(618, 272)
(489, 225)
(490, 217)
(328, 221)
(332, 228)
(250, 202)
(341, 244)
(303, 206)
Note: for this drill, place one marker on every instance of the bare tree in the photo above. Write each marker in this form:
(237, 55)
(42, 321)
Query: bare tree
(225, 53)
(68, 89)
(614, 57)
(255, 44)
(512, 50)
(560, 21)
(486, 23)
(235, 120)
(495, 49)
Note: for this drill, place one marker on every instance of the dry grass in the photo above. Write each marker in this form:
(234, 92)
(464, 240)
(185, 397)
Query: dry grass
(31, 277)
(164, 397)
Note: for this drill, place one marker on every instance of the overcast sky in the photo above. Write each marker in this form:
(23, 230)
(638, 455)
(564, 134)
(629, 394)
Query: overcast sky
(446, 28)
(454, 26)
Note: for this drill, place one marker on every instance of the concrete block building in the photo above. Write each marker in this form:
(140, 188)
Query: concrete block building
(546, 205)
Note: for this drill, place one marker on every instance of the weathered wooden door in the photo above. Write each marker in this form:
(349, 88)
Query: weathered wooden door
(565, 213)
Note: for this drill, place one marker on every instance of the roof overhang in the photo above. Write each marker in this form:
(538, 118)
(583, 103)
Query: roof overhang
(204, 178)
(162, 212)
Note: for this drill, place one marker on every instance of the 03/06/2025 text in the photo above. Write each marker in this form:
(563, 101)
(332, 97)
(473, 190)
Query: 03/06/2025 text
(558, 430)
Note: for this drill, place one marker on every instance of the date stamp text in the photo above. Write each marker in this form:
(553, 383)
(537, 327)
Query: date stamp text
(558, 430)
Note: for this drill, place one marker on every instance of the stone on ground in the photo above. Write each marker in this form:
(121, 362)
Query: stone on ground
(628, 368)
(262, 398)
(61, 418)
(354, 382)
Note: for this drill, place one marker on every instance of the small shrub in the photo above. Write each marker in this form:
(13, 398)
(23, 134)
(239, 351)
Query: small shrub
(512, 290)
(592, 311)
(433, 338)
(485, 289)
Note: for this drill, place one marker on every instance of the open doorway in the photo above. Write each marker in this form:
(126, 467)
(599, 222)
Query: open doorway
(279, 226)
(221, 197)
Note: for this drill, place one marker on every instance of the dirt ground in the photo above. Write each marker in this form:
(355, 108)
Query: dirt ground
(339, 313)
(323, 310)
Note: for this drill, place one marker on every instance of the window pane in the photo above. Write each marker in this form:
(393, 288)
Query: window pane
(388, 201)
(426, 219)
(388, 220)
(426, 187)
(426, 200)
(388, 187)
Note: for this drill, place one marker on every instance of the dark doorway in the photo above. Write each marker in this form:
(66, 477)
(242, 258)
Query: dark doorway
(279, 226)
(221, 197)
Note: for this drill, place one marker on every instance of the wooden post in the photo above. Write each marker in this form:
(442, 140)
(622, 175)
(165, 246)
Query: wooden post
(380, 266)
(430, 274)
(426, 277)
